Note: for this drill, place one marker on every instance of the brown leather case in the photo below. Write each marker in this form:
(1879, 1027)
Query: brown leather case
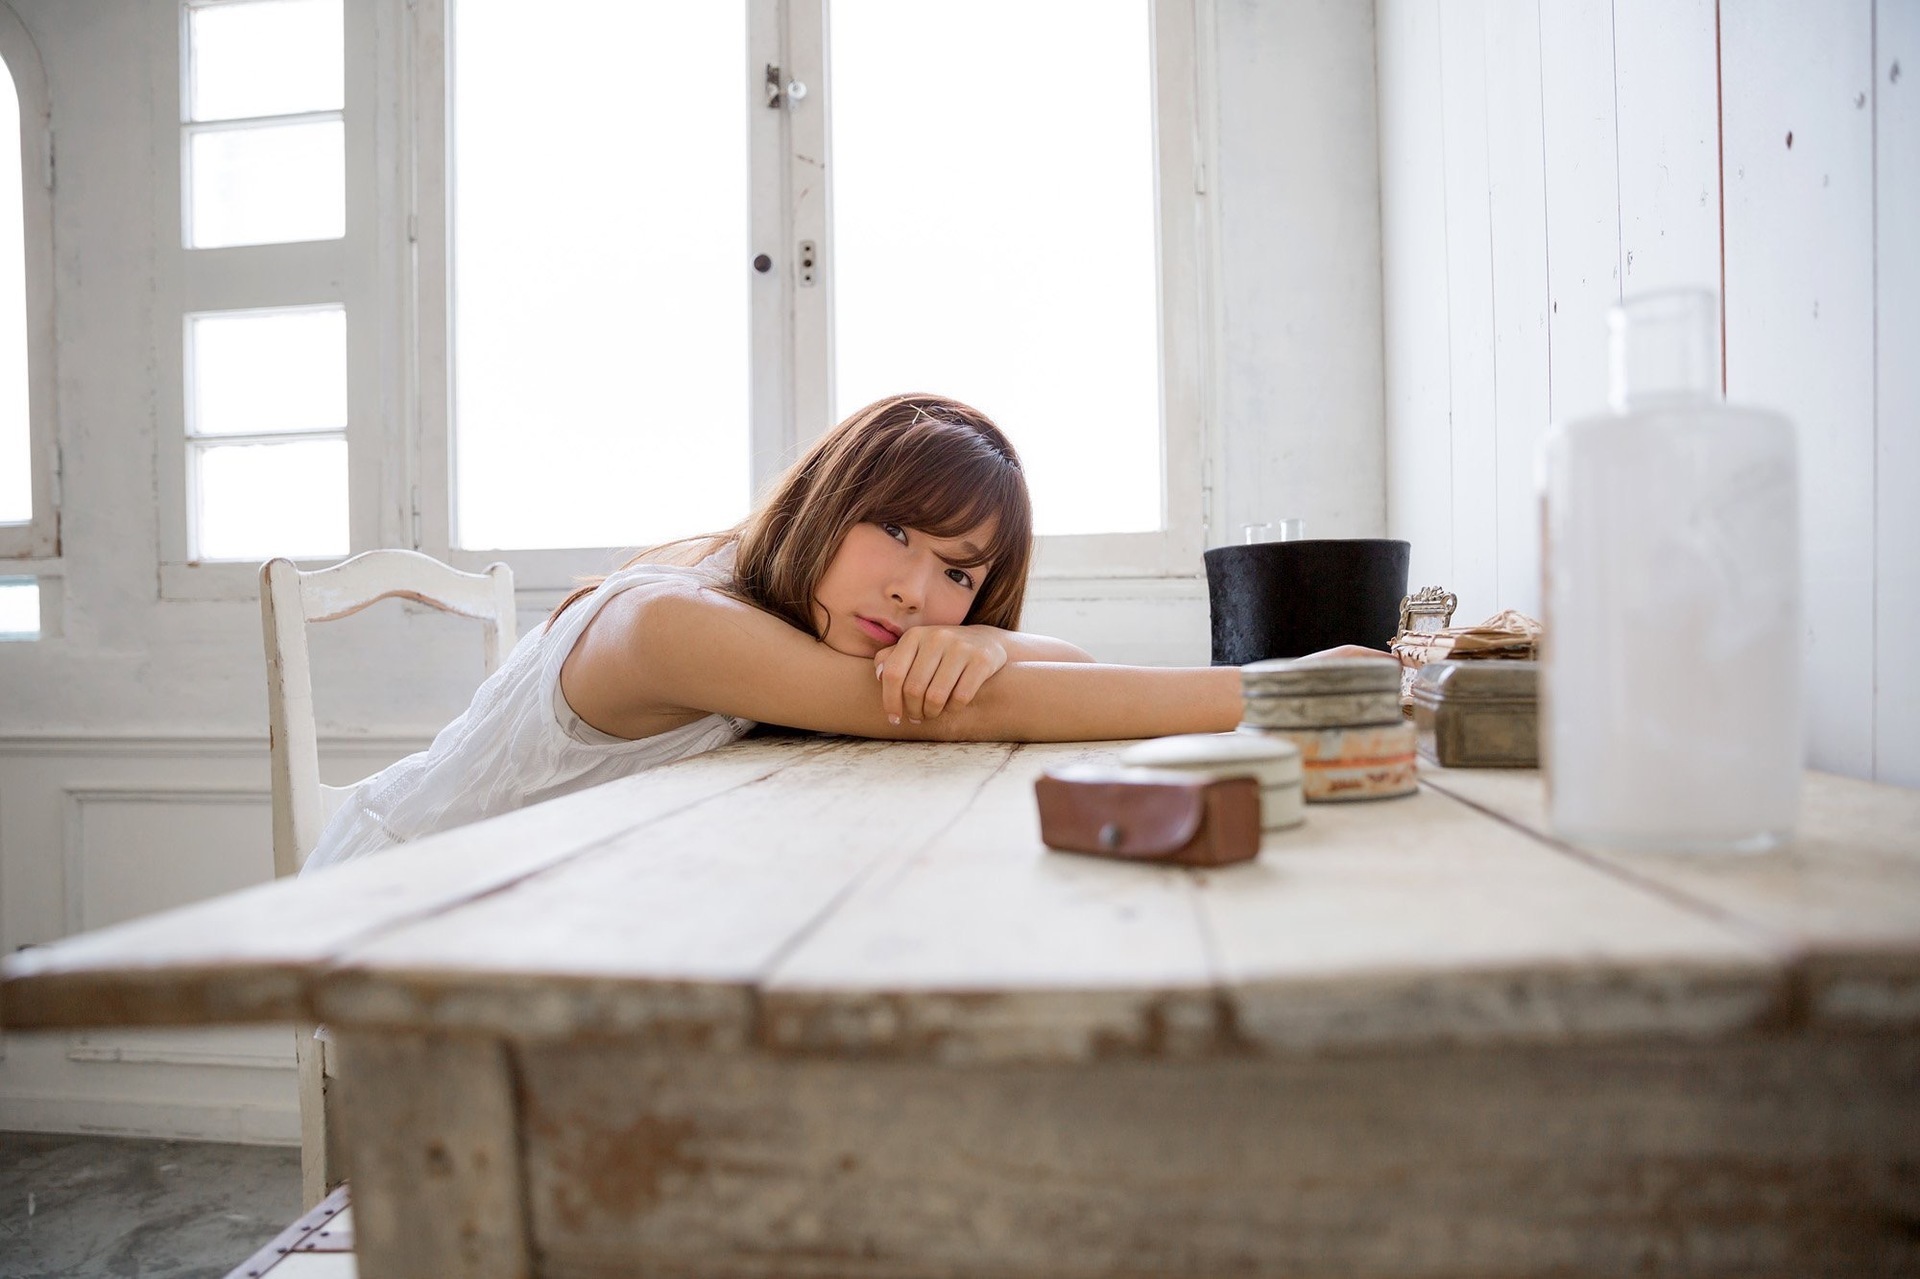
(1150, 815)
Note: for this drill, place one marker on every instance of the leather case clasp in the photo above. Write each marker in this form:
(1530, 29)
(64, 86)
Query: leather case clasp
(1139, 814)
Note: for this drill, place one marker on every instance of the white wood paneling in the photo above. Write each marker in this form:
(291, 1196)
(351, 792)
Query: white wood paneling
(132, 851)
(1651, 139)
(1414, 262)
(1669, 143)
(1474, 458)
(1517, 206)
(99, 828)
(1583, 198)
(1799, 301)
(1299, 298)
(1896, 98)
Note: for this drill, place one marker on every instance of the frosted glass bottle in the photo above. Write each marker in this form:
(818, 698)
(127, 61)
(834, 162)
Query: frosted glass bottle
(1670, 691)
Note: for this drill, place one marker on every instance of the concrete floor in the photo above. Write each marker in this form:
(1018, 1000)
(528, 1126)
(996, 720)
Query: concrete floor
(119, 1208)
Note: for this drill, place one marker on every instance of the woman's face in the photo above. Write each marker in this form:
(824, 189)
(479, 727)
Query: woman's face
(886, 578)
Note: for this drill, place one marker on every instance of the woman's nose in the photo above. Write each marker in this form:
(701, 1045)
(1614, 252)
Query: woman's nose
(910, 588)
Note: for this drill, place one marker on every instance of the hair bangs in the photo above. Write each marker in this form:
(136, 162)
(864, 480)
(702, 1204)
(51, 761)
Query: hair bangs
(949, 481)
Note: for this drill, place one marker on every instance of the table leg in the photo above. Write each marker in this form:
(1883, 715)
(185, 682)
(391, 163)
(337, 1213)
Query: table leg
(430, 1123)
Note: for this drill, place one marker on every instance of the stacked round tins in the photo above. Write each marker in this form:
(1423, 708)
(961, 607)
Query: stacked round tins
(1271, 761)
(1344, 715)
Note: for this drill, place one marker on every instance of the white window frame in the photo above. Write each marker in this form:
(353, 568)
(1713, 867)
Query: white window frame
(355, 272)
(33, 549)
(791, 331)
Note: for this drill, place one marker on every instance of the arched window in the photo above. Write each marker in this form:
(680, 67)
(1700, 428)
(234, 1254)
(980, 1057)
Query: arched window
(29, 521)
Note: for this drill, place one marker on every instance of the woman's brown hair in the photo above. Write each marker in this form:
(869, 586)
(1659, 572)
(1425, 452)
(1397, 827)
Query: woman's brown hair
(920, 461)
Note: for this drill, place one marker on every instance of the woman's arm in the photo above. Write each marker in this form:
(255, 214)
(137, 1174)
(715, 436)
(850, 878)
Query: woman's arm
(652, 659)
(1025, 647)
(933, 667)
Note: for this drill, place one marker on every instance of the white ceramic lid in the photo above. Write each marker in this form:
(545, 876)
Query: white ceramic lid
(1273, 759)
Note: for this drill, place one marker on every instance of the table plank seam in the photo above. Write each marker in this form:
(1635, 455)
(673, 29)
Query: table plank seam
(854, 882)
(340, 963)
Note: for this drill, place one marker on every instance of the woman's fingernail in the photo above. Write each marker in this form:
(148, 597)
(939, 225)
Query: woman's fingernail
(880, 670)
(894, 720)
(910, 720)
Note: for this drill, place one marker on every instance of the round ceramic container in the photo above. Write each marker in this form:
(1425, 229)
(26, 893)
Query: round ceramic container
(1273, 761)
(1373, 761)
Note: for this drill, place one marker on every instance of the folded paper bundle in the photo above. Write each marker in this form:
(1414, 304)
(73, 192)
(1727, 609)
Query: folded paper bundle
(1181, 817)
(1343, 714)
(1507, 636)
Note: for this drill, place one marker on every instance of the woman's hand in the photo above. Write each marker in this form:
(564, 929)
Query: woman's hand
(930, 667)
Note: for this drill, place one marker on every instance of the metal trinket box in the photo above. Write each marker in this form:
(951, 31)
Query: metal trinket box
(1482, 714)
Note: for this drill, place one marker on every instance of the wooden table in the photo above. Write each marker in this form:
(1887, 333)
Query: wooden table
(828, 1008)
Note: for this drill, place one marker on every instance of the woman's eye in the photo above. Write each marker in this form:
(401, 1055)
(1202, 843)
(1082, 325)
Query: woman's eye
(896, 532)
(961, 576)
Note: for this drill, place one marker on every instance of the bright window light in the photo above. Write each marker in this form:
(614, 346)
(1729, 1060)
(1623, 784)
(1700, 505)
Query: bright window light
(601, 269)
(256, 501)
(266, 184)
(272, 57)
(993, 198)
(19, 608)
(16, 445)
(253, 372)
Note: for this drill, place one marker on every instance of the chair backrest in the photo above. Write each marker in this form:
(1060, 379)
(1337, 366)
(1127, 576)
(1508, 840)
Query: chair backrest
(290, 601)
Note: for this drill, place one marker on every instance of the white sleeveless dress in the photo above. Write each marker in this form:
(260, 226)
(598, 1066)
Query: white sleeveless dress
(519, 742)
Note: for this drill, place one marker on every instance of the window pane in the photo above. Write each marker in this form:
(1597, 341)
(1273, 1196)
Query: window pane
(267, 184)
(276, 57)
(19, 608)
(267, 371)
(261, 500)
(16, 446)
(601, 272)
(994, 223)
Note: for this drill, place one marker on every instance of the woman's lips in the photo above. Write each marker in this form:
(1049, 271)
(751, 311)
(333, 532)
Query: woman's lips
(878, 632)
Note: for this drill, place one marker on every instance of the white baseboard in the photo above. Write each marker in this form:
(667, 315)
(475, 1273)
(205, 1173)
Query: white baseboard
(180, 1121)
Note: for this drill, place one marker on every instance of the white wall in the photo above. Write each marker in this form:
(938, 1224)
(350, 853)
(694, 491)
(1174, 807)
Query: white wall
(1539, 157)
(132, 744)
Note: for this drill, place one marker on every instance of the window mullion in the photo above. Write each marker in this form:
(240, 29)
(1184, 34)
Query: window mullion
(809, 182)
(429, 505)
(770, 223)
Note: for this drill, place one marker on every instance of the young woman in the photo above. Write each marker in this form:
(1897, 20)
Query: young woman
(876, 592)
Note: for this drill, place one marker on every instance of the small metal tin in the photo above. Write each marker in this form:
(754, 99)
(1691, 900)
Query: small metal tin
(1273, 761)
(1322, 710)
(1319, 676)
(1320, 692)
(1369, 761)
(1478, 714)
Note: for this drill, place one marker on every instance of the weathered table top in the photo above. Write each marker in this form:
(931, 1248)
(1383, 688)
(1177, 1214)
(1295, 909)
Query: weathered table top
(844, 897)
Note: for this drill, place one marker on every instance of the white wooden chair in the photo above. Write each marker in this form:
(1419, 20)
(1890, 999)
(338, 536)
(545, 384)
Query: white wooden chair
(290, 601)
